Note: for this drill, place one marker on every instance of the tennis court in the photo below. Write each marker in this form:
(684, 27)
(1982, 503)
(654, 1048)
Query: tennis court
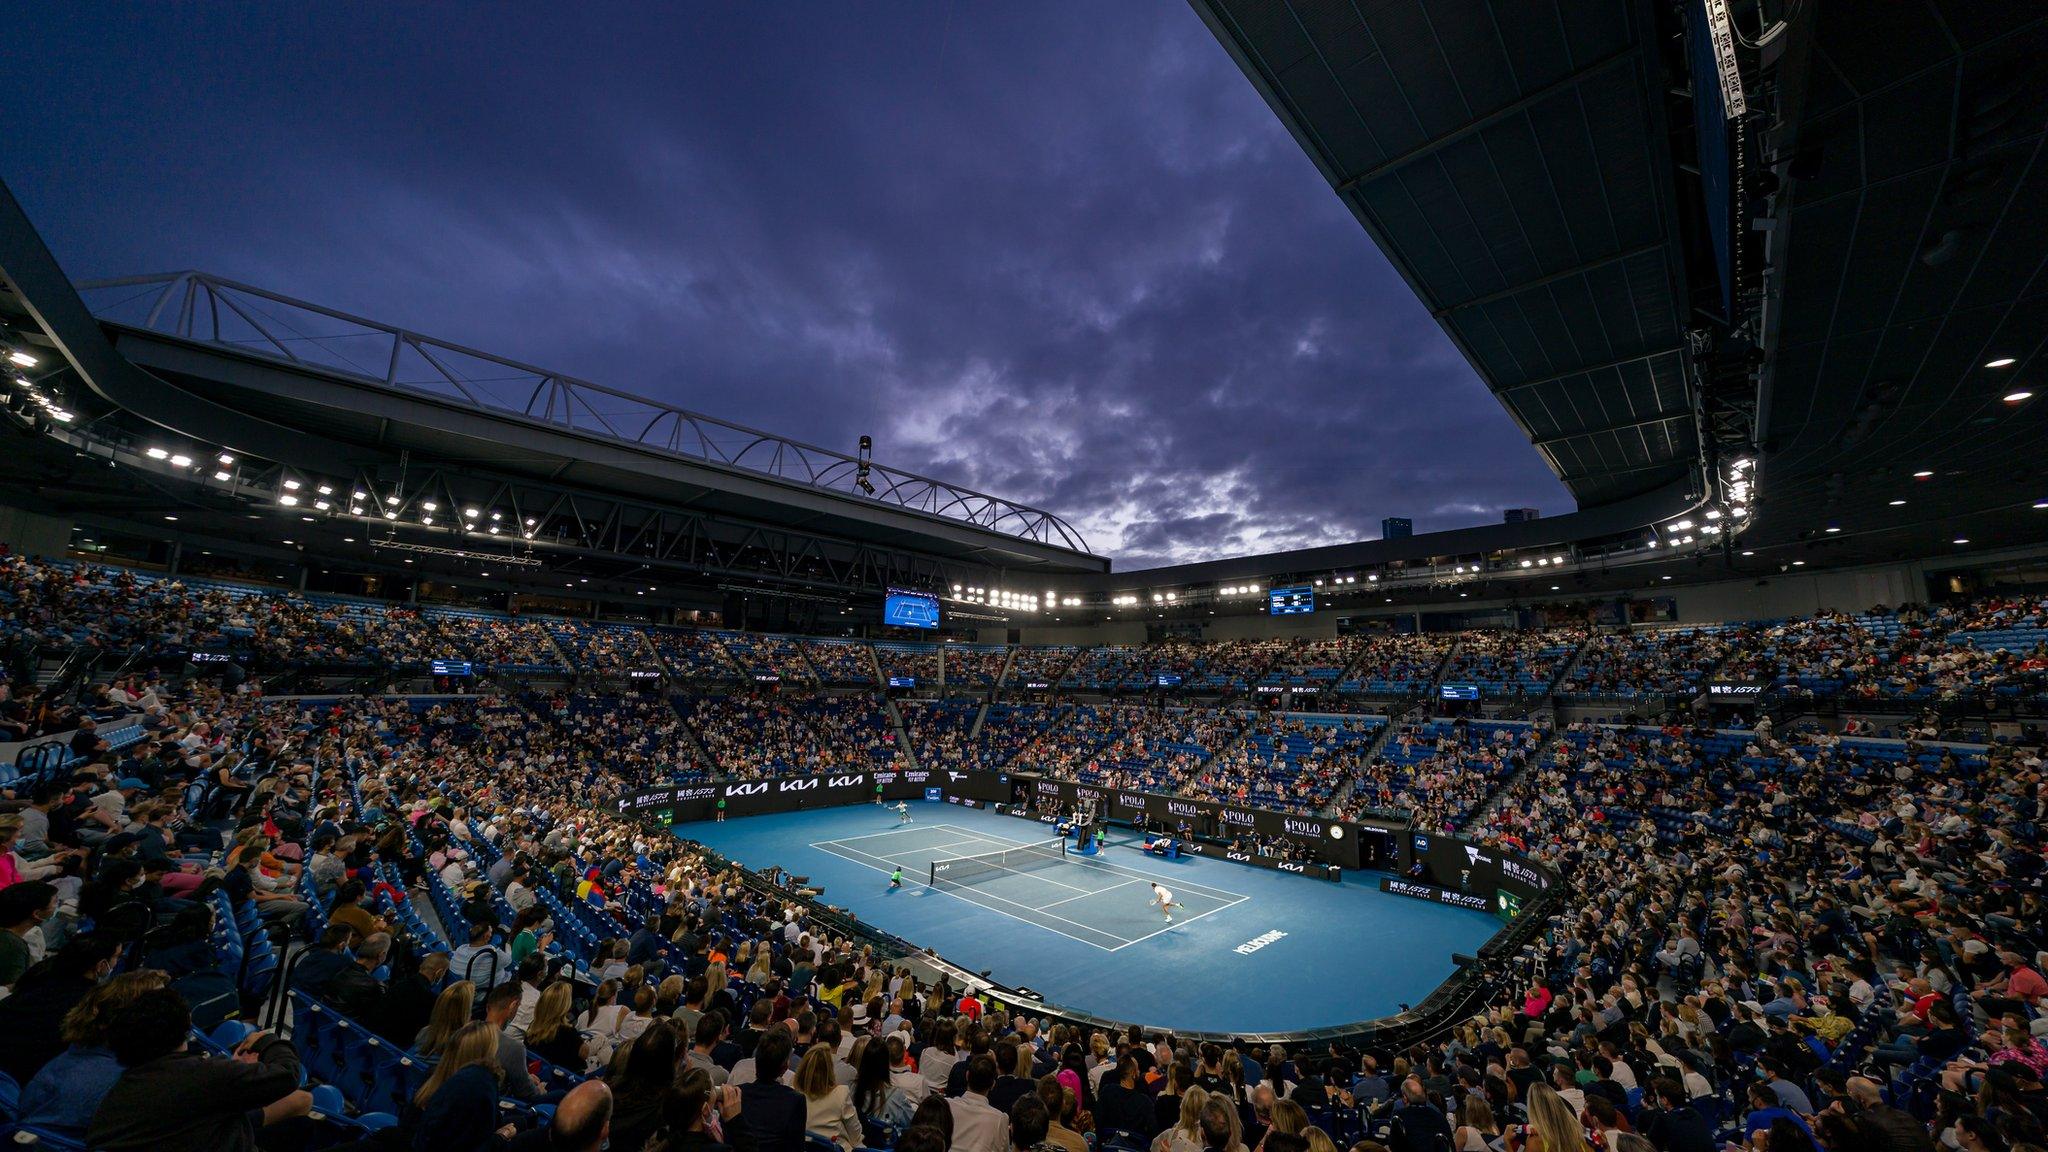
(1085, 898)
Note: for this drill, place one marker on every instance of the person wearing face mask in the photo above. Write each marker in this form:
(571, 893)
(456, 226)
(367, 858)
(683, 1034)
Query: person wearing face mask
(31, 1016)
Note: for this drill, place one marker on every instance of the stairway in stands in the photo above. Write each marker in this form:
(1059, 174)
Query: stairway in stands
(1342, 796)
(1498, 794)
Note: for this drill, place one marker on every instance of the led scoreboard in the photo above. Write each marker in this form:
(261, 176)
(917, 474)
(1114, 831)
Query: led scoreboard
(1299, 600)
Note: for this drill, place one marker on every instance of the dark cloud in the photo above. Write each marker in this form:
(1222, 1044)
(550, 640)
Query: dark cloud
(1064, 254)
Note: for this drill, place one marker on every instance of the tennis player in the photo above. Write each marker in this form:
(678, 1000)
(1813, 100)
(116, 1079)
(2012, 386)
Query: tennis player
(1164, 901)
(902, 813)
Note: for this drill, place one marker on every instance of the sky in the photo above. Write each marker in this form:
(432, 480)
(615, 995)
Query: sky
(1059, 252)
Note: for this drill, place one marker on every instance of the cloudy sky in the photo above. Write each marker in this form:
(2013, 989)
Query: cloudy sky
(1060, 252)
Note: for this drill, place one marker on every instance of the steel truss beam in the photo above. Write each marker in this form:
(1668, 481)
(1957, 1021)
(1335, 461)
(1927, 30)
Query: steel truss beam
(207, 309)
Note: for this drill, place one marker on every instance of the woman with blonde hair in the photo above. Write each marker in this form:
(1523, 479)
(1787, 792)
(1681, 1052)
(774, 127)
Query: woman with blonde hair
(451, 1012)
(457, 1108)
(668, 995)
(551, 1037)
(1186, 1134)
(1319, 1140)
(829, 1110)
(1477, 1131)
(1552, 1127)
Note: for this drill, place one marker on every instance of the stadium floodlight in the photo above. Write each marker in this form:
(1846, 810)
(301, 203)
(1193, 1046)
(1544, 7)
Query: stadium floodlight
(225, 459)
(1372, 579)
(326, 489)
(322, 505)
(1170, 597)
(472, 513)
(223, 474)
(1713, 513)
(358, 496)
(496, 515)
(2016, 397)
(288, 500)
(21, 358)
(1922, 474)
(181, 460)
(157, 453)
(494, 529)
(1528, 563)
(429, 505)
(1677, 526)
(2001, 362)
(428, 520)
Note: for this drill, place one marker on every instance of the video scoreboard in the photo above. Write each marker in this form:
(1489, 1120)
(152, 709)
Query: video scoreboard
(1299, 600)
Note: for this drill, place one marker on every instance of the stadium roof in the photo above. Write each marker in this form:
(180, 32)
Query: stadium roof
(1510, 160)
(1514, 159)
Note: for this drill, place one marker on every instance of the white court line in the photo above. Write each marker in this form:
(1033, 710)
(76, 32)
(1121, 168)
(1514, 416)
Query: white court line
(1084, 896)
(1189, 920)
(998, 911)
(931, 848)
(1115, 869)
(898, 832)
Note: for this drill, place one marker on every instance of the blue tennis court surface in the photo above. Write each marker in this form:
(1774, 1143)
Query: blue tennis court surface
(1089, 899)
(1081, 931)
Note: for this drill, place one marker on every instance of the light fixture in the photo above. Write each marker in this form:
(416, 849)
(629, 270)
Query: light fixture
(22, 358)
(181, 460)
(1832, 529)
(1667, 577)
(1528, 563)
(1799, 563)
(171, 518)
(2001, 362)
(359, 495)
(2041, 503)
(391, 515)
(1749, 553)
(2016, 397)
(429, 505)
(472, 513)
(1678, 526)
(1962, 540)
(1896, 503)
(325, 489)
(1553, 587)
(322, 505)
(1922, 475)
(157, 453)
(1553, 560)
(392, 499)
(292, 485)
(287, 499)
(1713, 513)
(223, 474)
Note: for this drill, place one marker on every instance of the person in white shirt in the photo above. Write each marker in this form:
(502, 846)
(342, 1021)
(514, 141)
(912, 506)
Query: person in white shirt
(935, 1064)
(902, 1076)
(977, 1126)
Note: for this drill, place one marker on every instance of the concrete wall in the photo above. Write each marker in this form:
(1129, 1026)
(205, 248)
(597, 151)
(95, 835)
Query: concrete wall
(1771, 596)
(33, 533)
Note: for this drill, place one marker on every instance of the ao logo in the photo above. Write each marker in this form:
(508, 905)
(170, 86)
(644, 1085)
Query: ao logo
(1422, 843)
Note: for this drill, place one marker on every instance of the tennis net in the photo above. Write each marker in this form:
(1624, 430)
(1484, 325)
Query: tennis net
(1025, 858)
